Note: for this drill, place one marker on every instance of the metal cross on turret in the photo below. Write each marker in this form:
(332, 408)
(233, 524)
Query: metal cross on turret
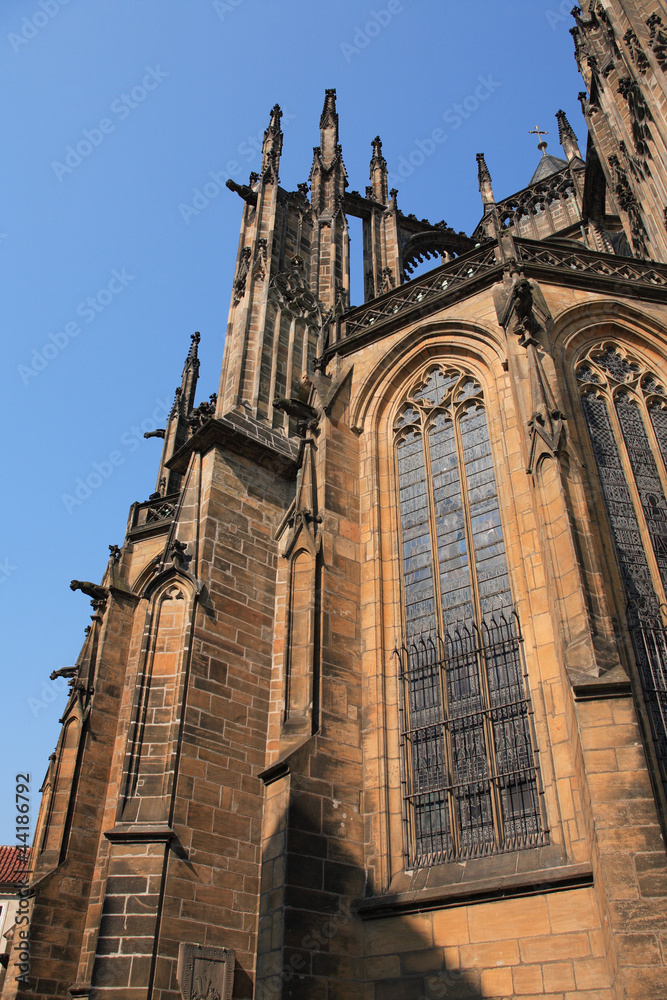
(542, 144)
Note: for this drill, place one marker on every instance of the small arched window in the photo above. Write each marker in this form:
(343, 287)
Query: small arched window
(469, 774)
(625, 406)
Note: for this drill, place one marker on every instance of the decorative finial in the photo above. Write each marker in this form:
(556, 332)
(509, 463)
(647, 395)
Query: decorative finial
(541, 145)
(329, 116)
(484, 178)
(568, 139)
(377, 150)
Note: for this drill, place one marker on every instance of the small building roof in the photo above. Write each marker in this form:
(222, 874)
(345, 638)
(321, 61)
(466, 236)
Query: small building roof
(547, 166)
(13, 864)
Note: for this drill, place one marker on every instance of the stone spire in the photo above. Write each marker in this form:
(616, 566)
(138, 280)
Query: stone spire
(379, 186)
(177, 430)
(329, 129)
(328, 180)
(328, 177)
(272, 147)
(568, 139)
(485, 189)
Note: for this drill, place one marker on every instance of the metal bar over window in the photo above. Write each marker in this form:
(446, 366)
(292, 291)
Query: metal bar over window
(470, 782)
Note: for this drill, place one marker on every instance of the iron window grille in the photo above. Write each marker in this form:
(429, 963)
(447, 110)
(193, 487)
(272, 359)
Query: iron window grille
(469, 775)
(625, 406)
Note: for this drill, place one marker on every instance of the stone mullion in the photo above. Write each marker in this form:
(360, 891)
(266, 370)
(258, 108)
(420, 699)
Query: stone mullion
(654, 444)
(386, 535)
(407, 766)
(477, 606)
(628, 472)
(435, 560)
(452, 808)
(274, 361)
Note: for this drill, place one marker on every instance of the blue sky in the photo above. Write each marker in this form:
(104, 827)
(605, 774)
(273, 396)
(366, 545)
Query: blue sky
(118, 112)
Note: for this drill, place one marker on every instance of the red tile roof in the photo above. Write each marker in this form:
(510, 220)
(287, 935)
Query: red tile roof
(13, 864)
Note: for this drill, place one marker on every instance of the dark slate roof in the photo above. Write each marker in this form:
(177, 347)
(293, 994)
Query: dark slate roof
(548, 165)
(13, 864)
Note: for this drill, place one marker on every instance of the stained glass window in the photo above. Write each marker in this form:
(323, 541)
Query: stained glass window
(469, 773)
(625, 406)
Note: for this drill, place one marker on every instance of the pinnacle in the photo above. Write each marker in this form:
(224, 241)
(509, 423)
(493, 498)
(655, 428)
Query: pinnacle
(564, 127)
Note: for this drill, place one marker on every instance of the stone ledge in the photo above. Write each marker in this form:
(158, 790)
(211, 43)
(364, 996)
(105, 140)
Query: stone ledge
(599, 689)
(481, 891)
(242, 435)
(140, 833)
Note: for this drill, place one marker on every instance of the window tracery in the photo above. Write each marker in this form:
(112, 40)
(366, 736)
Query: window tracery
(469, 774)
(625, 406)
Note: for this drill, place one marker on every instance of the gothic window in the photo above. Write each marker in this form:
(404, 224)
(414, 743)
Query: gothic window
(469, 776)
(626, 411)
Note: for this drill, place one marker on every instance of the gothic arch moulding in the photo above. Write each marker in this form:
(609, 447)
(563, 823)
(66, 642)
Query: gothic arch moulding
(426, 387)
(152, 741)
(449, 339)
(585, 322)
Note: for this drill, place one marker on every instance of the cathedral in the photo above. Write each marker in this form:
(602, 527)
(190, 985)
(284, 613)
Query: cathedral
(373, 703)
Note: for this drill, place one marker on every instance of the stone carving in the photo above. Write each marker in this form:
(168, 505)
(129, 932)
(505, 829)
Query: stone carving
(243, 190)
(290, 289)
(516, 307)
(629, 204)
(91, 590)
(177, 554)
(259, 261)
(67, 672)
(637, 54)
(639, 113)
(588, 107)
(527, 323)
(306, 416)
(658, 40)
(203, 412)
(387, 280)
(594, 38)
(205, 973)
(272, 147)
(242, 274)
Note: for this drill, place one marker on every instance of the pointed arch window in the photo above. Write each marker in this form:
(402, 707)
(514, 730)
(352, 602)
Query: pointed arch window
(625, 406)
(469, 775)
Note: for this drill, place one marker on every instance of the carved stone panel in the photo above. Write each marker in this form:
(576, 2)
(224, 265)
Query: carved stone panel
(205, 973)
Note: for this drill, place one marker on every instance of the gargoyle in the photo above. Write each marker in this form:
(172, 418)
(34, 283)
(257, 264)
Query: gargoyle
(63, 672)
(305, 415)
(243, 190)
(159, 433)
(91, 590)
(177, 553)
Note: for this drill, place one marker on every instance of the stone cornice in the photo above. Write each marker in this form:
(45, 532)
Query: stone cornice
(532, 883)
(242, 435)
(624, 277)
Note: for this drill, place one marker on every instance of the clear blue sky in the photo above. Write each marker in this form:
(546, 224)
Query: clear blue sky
(162, 93)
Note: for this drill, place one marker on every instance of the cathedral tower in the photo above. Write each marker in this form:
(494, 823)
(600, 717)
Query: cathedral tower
(373, 701)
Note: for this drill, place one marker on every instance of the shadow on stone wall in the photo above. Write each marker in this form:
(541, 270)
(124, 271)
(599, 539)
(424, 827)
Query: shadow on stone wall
(328, 951)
